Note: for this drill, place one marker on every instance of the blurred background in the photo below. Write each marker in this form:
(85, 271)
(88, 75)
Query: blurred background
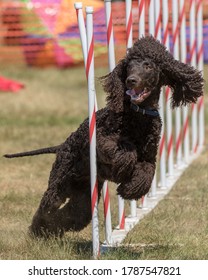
(44, 32)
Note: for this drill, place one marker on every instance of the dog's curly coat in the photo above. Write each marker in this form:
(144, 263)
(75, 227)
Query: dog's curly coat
(127, 140)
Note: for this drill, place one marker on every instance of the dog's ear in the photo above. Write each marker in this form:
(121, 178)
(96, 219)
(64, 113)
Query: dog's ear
(185, 81)
(114, 85)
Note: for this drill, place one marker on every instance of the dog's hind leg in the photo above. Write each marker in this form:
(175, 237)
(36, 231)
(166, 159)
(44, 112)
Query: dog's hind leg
(74, 215)
(43, 222)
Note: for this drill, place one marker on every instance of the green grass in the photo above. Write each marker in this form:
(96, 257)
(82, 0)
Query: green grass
(51, 106)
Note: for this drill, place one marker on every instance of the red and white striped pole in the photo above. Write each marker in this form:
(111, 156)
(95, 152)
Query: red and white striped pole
(141, 7)
(200, 62)
(169, 129)
(183, 52)
(110, 37)
(105, 192)
(129, 36)
(157, 33)
(151, 17)
(129, 43)
(92, 131)
(161, 101)
(193, 63)
(83, 36)
(111, 63)
(151, 21)
(178, 136)
(82, 29)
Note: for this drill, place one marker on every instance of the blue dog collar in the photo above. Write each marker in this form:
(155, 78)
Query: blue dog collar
(150, 112)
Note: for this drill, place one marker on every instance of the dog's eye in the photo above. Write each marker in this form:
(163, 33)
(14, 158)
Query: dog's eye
(147, 66)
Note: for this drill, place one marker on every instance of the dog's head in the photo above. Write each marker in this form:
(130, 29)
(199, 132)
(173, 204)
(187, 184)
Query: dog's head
(185, 81)
(147, 66)
(142, 78)
(137, 78)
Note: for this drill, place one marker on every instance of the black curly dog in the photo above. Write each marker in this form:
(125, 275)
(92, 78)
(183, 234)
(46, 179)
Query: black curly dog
(128, 134)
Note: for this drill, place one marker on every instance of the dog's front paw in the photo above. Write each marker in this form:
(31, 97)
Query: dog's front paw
(123, 165)
(139, 183)
(132, 190)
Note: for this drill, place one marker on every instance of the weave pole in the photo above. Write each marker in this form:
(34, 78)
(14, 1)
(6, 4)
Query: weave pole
(92, 132)
(193, 63)
(110, 38)
(82, 30)
(157, 33)
(200, 60)
(83, 36)
(129, 37)
(178, 136)
(141, 7)
(151, 17)
(105, 191)
(169, 129)
(129, 43)
(107, 214)
(183, 52)
(111, 63)
(161, 102)
(152, 32)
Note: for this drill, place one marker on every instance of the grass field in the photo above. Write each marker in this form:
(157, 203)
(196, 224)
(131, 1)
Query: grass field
(50, 107)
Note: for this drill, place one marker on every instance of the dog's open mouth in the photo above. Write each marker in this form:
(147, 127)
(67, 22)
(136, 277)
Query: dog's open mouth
(138, 95)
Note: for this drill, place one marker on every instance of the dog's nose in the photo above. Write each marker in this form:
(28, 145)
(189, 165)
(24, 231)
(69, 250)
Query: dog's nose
(131, 81)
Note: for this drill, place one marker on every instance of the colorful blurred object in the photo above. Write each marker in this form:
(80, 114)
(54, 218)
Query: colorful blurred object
(46, 31)
(8, 85)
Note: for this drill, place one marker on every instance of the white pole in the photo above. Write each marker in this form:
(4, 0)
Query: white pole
(110, 37)
(152, 32)
(121, 213)
(157, 20)
(151, 17)
(106, 198)
(112, 63)
(183, 52)
(165, 15)
(83, 36)
(178, 110)
(129, 36)
(129, 43)
(193, 63)
(161, 102)
(141, 5)
(82, 29)
(107, 213)
(200, 67)
(169, 129)
(92, 131)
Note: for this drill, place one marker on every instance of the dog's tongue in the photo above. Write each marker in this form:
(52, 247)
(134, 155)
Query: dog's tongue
(137, 97)
(133, 94)
(130, 92)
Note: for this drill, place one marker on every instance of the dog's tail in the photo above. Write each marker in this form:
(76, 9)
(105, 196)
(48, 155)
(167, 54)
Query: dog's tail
(48, 150)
